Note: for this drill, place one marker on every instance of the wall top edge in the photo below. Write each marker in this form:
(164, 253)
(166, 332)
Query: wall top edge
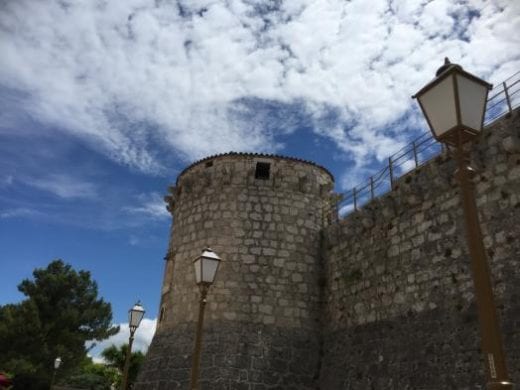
(254, 155)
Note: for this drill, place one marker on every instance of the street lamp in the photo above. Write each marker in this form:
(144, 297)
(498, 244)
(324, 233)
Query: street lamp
(57, 363)
(135, 315)
(454, 105)
(206, 267)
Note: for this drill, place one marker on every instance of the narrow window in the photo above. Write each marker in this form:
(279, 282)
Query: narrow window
(161, 316)
(262, 171)
(209, 164)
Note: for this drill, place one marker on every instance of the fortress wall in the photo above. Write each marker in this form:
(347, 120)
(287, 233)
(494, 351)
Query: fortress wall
(262, 316)
(400, 311)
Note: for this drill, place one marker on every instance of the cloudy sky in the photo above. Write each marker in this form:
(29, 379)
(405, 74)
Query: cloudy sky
(104, 102)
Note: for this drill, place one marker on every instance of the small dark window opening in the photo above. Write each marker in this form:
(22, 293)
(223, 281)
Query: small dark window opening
(209, 164)
(161, 317)
(262, 171)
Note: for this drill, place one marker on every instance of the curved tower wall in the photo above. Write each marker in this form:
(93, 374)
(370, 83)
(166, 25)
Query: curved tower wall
(263, 216)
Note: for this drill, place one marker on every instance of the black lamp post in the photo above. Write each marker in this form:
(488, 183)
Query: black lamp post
(135, 315)
(454, 105)
(206, 267)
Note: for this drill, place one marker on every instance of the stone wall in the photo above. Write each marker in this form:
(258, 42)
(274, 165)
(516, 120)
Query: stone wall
(382, 299)
(400, 310)
(263, 215)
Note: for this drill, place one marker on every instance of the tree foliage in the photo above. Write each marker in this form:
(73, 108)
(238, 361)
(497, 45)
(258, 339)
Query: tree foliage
(115, 357)
(61, 312)
(94, 376)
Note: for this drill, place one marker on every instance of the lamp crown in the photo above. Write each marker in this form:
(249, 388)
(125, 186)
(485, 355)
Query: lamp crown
(138, 307)
(447, 65)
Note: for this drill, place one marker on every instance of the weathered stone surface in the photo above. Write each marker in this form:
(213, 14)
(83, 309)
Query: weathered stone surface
(383, 299)
(267, 292)
(235, 356)
(400, 307)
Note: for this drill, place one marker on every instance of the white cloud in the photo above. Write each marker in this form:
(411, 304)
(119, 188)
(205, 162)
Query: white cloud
(133, 240)
(142, 338)
(97, 359)
(64, 186)
(6, 181)
(20, 212)
(125, 74)
(348, 208)
(151, 205)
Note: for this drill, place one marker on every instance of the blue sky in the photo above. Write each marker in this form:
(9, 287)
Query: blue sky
(103, 103)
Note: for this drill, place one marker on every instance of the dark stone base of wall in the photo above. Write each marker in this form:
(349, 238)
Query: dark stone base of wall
(234, 357)
(431, 350)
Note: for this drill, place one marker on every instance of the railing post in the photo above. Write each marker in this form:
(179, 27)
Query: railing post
(508, 99)
(391, 170)
(372, 187)
(355, 198)
(415, 154)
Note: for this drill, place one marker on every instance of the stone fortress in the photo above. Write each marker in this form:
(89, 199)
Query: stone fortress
(381, 299)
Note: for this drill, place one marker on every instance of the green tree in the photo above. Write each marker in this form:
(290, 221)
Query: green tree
(115, 357)
(61, 312)
(94, 376)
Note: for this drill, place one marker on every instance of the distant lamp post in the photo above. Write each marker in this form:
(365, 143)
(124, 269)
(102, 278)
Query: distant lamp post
(135, 315)
(206, 266)
(57, 363)
(454, 105)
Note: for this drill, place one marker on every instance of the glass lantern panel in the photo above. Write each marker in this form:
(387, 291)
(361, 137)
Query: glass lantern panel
(197, 264)
(472, 97)
(439, 106)
(136, 315)
(210, 269)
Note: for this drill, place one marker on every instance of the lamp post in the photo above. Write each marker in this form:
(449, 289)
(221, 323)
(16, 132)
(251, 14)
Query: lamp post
(57, 363)
(454, 105)
(206, 266)
(135, 315)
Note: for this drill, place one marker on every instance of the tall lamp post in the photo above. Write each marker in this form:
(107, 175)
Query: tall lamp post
(57, 363)
(135, 315)
(454, 105)
(206, 266)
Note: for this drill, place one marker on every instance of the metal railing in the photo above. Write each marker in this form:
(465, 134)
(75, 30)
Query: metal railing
(502, 100)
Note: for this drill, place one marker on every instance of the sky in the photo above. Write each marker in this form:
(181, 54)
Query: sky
(103, 103)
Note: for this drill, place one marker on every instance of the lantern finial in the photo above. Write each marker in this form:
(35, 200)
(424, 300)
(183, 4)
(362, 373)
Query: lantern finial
(447, 65)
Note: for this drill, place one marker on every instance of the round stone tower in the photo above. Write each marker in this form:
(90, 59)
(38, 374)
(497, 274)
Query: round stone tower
(263, 215)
